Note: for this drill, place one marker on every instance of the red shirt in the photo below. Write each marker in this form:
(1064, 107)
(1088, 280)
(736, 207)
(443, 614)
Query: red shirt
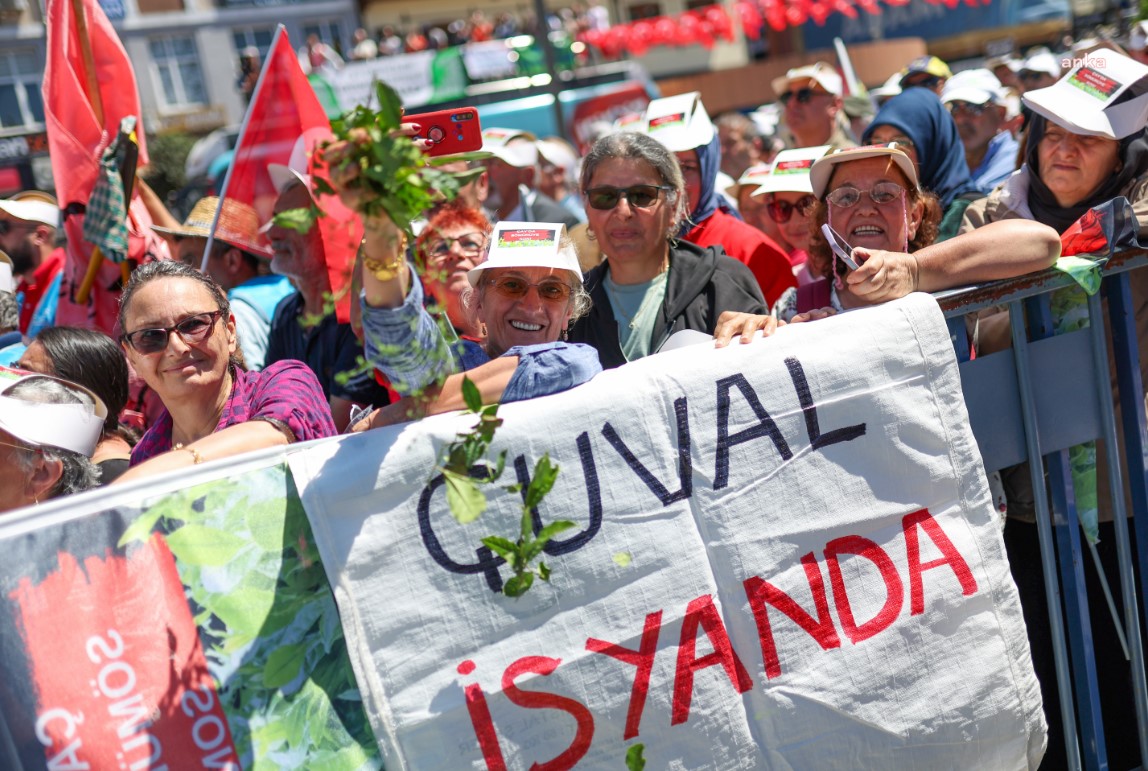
(41, 279)
(768, 261)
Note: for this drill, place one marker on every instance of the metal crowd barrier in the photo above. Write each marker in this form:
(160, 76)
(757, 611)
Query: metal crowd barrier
(1032, 402)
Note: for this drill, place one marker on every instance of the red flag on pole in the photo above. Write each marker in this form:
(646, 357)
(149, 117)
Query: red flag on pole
(89, 88)
(286, 119)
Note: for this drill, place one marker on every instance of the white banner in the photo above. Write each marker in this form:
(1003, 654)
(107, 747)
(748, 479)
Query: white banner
(785, 556)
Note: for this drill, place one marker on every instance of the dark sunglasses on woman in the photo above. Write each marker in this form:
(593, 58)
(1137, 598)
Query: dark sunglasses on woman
(642, 196)
(781, 211)
(193, 329)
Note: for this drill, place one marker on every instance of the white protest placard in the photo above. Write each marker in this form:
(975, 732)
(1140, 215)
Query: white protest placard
(786, 556)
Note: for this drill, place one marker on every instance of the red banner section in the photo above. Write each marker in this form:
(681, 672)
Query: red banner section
(131, 690)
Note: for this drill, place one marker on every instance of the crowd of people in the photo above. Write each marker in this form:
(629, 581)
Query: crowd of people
(477, 27)
(671, 221)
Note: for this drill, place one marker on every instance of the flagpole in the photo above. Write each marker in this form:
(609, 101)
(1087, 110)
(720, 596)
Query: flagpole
(280, 30)
(92, 86)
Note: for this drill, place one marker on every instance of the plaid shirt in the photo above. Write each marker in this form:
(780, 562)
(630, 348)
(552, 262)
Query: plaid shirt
(286, 391)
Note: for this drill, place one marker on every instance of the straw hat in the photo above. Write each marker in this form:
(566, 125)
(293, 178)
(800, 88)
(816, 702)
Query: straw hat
(238, 225)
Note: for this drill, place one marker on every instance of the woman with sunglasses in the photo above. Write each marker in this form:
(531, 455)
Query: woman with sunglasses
(651, 284)
(179, 336)
(923, 129)
(871, 199)
(519, 306)
(788, 200)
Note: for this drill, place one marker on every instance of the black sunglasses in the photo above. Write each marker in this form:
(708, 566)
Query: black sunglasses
(782, 211)
(193, 329)
(641, 196)
(967, 108)
(1030, 75)
(803, 96)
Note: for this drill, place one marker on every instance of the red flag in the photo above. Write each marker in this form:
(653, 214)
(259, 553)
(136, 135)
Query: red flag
(284, 110)
(75, 95)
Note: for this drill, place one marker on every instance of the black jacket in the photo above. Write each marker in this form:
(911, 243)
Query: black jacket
(702, 283)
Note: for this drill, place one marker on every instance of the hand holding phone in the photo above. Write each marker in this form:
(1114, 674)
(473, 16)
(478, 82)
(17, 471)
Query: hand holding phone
(449, 131)
(841, 248)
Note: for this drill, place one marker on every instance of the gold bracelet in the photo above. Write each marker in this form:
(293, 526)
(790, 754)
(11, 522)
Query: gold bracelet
(197, 458)
(386, 271)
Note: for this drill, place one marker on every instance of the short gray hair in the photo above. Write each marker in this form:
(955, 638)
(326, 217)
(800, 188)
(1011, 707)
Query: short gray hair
(629, 145)
(79, 473)
(9, 317)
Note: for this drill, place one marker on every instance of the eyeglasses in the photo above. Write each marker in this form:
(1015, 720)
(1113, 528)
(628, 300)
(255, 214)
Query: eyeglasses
(21, 447)
(513, 288)
(468, 243)
(1030, 75)
(641, 196)
(803, 95)
(193, 329)
(967, 108)
(781, 211)
(6, 226)
(847, 196)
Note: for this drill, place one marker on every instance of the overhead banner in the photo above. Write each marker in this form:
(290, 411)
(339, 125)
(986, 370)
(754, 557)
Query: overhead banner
(785, 556)
(421, 78)
(184, 624)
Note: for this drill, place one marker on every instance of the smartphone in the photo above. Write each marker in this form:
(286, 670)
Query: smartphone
(449, 131)
(840, 246)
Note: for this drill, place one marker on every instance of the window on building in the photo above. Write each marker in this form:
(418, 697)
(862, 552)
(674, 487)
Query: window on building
(644, 10)
(21, 72)
(253, 36)
(180, 76)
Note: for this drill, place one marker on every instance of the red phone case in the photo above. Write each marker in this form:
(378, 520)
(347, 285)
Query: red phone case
(449, 131)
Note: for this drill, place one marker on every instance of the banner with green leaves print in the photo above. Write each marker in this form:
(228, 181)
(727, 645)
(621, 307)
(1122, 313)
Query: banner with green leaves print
(162, 627)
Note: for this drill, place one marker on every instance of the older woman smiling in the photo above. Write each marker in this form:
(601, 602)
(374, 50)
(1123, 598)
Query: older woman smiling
(651, 285)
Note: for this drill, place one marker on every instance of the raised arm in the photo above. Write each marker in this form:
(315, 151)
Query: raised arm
(995, 251)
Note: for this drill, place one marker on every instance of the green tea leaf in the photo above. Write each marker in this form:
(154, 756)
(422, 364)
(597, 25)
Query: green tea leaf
(283, 665)
(623, 559)
(545, 473)
(465, 500)
(518, 585)
(554, 528)
(544, 571)
(471, 395)
(634, 758)
(390, 106)
(503, 547)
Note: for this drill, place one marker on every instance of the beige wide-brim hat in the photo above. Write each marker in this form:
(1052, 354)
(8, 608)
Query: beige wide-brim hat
(238, 225)
(822, 169)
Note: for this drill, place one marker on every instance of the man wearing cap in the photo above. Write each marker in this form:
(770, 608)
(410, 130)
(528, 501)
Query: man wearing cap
(812, 103)
(512, 169)
(48, 431)
(558, 174)
(977, 103)
(1040, 70)
(1138, 42)
(239, 264)
(302, 327)
(742, 144)
(28, 222)
(926, 72)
